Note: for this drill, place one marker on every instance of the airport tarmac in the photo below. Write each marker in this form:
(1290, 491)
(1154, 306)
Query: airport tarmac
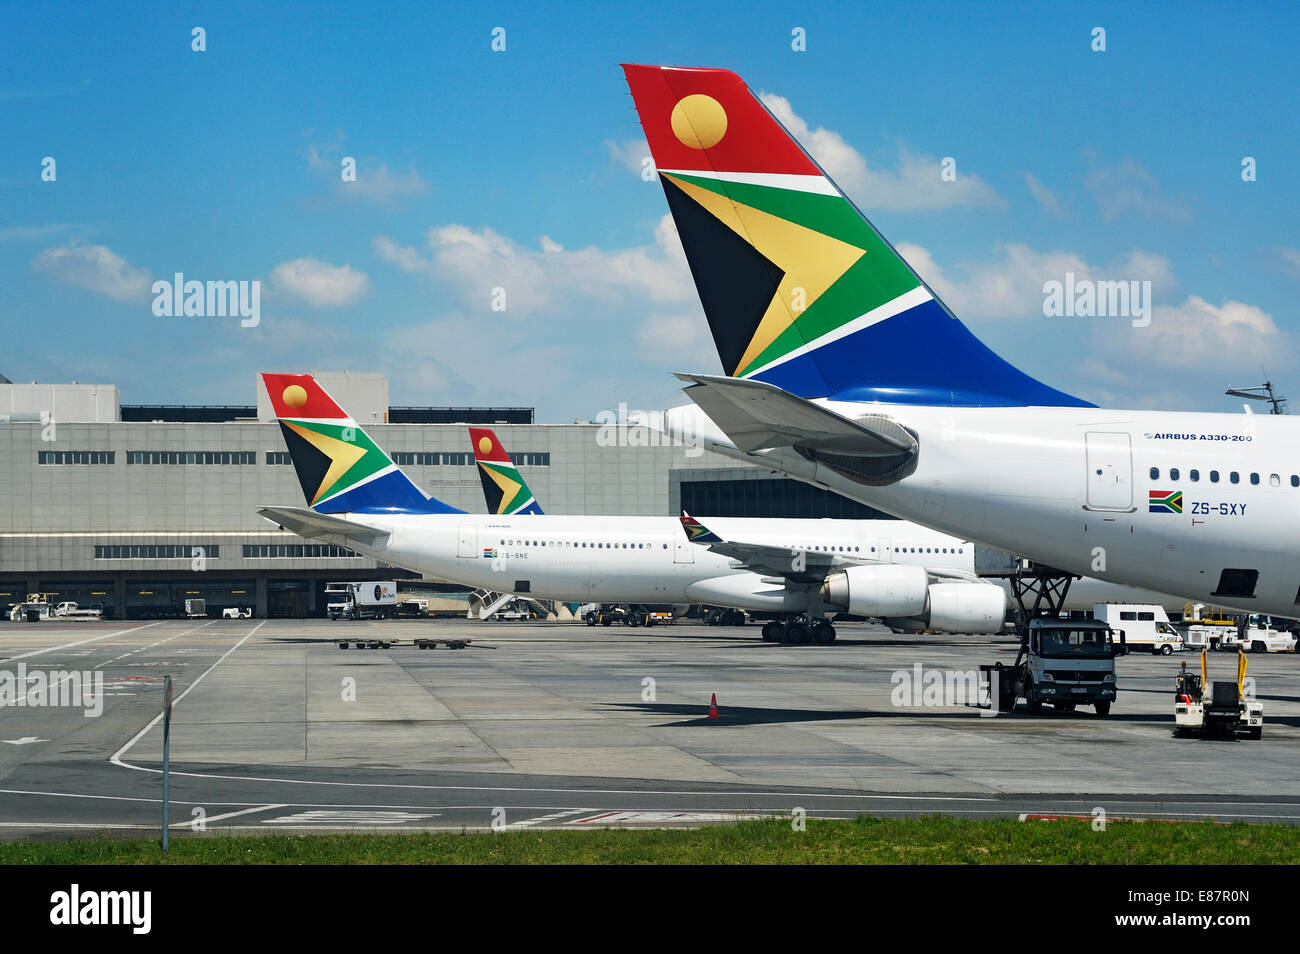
(563, 725)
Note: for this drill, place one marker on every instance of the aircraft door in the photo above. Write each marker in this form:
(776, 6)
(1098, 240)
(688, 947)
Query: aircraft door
(1110, 471)
(467, 541)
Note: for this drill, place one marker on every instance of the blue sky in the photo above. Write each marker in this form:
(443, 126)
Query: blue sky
(519, 169)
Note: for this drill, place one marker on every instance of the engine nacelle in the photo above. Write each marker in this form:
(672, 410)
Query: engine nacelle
(886, 590)
(967, 607)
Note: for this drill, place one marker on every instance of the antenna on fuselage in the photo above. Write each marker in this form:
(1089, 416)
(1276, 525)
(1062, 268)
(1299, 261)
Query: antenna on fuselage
(1262, 392)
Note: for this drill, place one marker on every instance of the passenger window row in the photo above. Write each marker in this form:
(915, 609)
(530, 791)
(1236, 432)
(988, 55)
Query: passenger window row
(1194, 475)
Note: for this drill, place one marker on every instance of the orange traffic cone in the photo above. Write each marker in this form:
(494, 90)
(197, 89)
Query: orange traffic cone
(713, 707)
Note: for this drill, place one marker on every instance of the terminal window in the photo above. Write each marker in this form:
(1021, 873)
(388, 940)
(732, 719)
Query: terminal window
(531, 459)
(278, 457)
(432, 459)
(210, 458)
(769, 497)
(294, 551)
(76, 457)
(154, 551)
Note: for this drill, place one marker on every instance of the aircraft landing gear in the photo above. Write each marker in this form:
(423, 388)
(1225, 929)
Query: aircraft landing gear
(799, 632)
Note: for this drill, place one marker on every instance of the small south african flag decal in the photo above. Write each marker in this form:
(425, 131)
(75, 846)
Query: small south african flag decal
(1165, 501)
(489, 553)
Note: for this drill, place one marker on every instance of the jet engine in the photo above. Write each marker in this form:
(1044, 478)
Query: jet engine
(885, 590)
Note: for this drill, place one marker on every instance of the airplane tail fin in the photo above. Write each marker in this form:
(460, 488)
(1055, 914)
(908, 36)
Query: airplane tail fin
(503, 486)
(800, 289)
(340, 468)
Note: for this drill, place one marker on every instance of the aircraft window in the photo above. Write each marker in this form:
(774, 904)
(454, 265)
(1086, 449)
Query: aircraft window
(1155, 473)
(1275, 480)
(1254, 478)
(665, 546)
(960, 550)
(1295, 481)
(503, 543)
(1236, 477)
(1194, 474)
(1173, 473)
(1214, 476)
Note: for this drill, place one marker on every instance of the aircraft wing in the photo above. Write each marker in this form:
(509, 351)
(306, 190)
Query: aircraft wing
(310, 524)
(759, 416)
(795, 564)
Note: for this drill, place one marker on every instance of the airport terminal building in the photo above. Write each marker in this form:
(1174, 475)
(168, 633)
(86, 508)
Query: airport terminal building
(139, 507)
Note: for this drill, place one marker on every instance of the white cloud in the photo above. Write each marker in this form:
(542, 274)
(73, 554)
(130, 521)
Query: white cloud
(913, 183)
(630, 153)
(374, 182)
(1126, 187)
(95, 268)
(29, 233)
(682, 338)
(1044, 196)
(1231, 335)
(1290, 259)
(320, 283)
(1010, 286)
(549, 279)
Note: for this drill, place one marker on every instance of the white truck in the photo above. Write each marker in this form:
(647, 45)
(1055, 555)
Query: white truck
(1145, 625)
(194, 608)
(369, 600)
(1259, 634)
(71, 611)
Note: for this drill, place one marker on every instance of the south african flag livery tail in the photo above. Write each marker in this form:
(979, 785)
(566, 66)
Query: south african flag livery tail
(503, 486)
(340, 468)
(800, 290)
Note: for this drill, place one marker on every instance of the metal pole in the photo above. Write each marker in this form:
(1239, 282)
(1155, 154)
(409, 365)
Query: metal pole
(167, 738)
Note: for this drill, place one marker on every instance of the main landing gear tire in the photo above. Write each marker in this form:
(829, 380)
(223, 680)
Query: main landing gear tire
(772, 632)
(823, 634)
(797, 633)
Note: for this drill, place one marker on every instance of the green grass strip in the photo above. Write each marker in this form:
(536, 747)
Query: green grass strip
(931, 840)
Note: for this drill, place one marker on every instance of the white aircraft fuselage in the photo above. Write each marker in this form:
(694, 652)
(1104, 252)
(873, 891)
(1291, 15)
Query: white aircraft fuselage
(1073, 488)
(637, 559)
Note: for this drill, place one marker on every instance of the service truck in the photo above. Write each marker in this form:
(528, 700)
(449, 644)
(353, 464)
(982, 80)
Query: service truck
(369, 600)
(195, 608)
(1062, 662)
(1216, 707)
(1145, 625)
(71, 611)
(1259, 634)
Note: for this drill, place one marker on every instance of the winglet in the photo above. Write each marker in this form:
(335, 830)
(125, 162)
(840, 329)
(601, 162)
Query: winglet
(697, 532)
